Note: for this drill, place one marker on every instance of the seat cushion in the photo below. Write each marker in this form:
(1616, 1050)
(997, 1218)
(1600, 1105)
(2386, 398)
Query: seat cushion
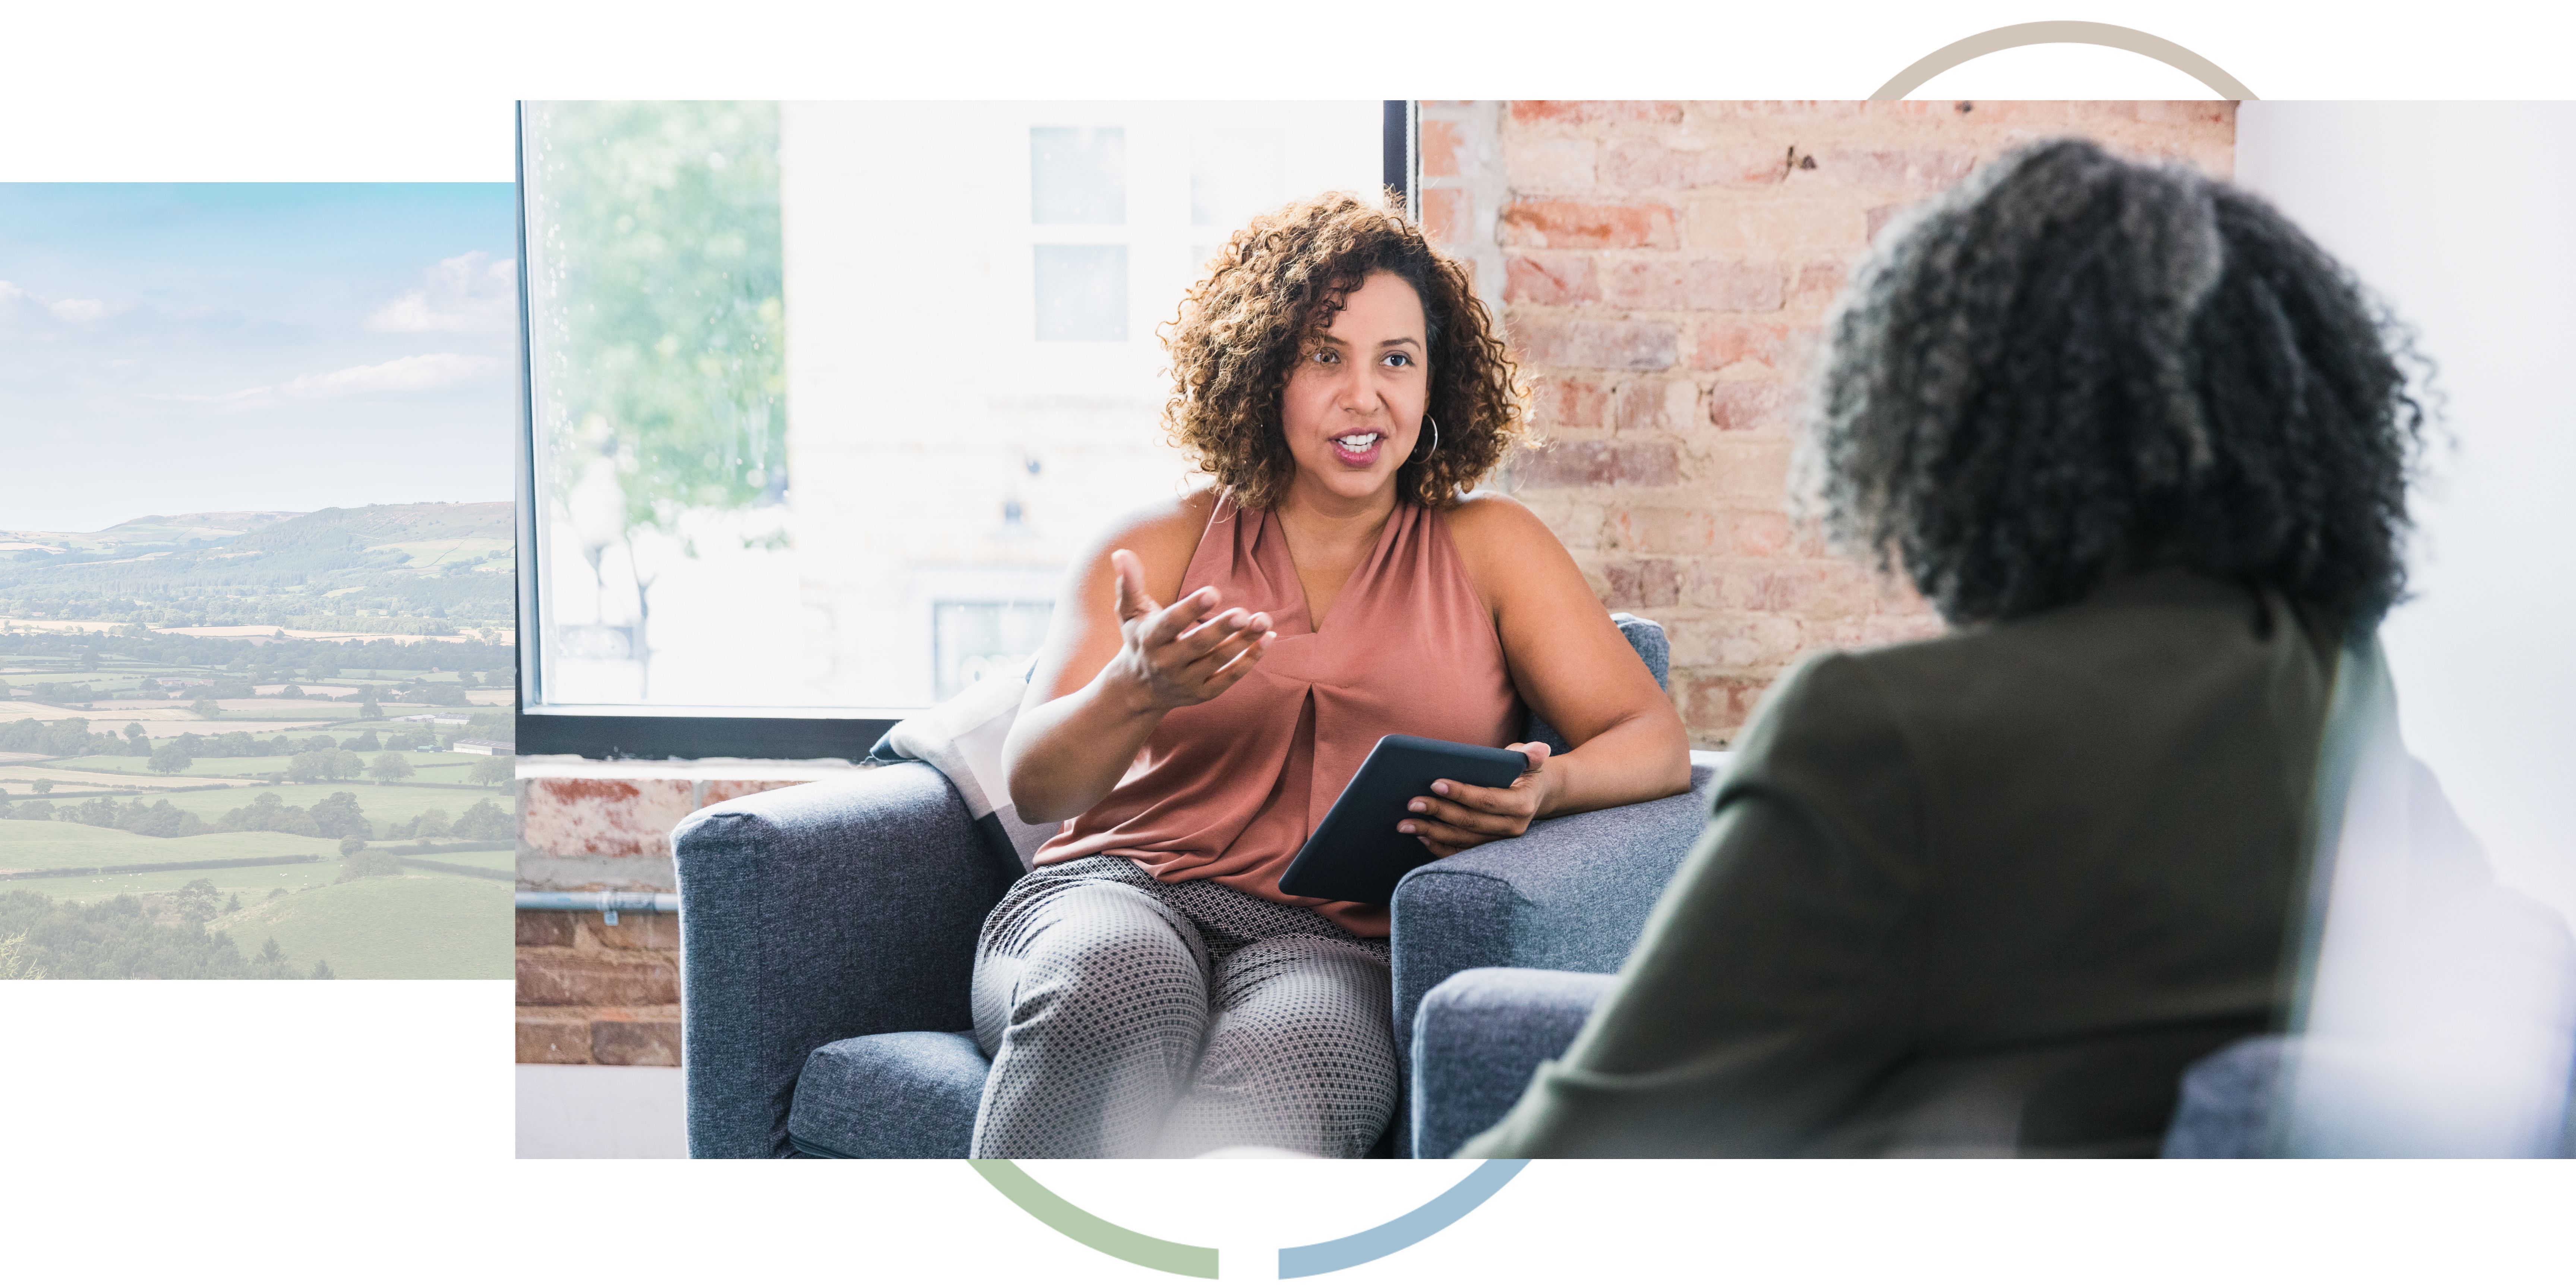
(2227, 1101)
(889, 1095)
(1478, 1039)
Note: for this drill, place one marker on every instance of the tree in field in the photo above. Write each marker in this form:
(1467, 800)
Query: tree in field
(44, 785)
(492, 771)
(309, 766)
(196, 900)
(270, 952)
(134, 737)
(171, 759)
(368, 710)
(350, 845)
(389, 767)
(233, 904)
(431, 823)
(346, 764)
(485, 821)
(340, 815)
(205, 708)
(322, 970)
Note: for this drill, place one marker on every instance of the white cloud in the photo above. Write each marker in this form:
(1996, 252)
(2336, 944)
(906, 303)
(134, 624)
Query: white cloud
(420, 373)
(22, 306)
(472, 293)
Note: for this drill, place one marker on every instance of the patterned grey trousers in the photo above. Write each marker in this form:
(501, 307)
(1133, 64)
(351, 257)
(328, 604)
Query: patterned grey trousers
(1131, 1018)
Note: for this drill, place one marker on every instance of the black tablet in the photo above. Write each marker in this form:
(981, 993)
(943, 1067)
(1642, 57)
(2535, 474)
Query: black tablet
(1356, 853)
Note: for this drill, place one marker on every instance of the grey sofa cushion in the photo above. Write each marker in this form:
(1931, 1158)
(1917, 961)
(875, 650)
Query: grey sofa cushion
(889, 1095)
(812, 913)
(1480, 1036)
(2226, 1105)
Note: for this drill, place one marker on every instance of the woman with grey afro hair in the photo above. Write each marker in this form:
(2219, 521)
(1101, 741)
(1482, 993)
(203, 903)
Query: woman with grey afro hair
(2145, 446)
(2072, 366)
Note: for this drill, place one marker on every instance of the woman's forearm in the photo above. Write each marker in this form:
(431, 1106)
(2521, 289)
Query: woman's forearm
(1645, 756)
(1064, 756)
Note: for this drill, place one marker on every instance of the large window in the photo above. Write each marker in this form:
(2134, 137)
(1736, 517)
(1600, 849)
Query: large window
(824, 396)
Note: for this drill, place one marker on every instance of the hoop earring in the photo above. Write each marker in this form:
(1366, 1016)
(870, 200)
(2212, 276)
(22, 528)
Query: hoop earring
(1435, 442)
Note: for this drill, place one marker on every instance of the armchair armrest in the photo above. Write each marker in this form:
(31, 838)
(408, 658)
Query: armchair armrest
(815, 913)
(1572, 894)
(1481, 1035)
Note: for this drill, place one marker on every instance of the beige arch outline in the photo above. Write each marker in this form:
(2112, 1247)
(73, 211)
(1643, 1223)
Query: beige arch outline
(2061, 33)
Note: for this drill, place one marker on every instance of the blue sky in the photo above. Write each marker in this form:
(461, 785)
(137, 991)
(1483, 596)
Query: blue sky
(169, 348)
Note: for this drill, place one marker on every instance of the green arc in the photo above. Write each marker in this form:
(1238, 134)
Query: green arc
(1090, 1231)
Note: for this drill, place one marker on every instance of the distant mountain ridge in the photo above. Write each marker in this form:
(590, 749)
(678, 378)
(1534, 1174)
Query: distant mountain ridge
(438, 563)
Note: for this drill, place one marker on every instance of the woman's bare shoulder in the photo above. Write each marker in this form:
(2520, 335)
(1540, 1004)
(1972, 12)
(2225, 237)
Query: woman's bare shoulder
(1493, 523)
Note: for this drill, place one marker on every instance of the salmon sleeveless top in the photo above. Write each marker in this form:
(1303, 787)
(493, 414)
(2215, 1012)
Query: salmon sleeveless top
(1229, 789)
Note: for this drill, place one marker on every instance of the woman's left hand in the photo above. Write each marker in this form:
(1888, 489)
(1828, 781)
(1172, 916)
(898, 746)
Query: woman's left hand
(1458, 816)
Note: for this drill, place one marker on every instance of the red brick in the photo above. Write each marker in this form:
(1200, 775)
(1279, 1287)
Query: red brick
(635, 1041)
(653, 931)
(1716, 706)
(1644, 163)
(1642, 583)
(553, 1038)
(1550, 279)
(1736, 406)
(549, 978)
(546, 929)
(1649, 405)
(611, 817)
(1757, 533)
(1441, 142)
(1663, 529)
(1579, 225)
(725, 789)
(1448, 215)
(1599, 464)
(1590, 342)
(1913, 169)
(1716, 284)
(1770, 223)
(1721, 344)
(1815, 285)
(1563, 402)
(1594, 112)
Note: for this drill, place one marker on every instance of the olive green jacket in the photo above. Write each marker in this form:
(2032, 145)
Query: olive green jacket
(1986, 894)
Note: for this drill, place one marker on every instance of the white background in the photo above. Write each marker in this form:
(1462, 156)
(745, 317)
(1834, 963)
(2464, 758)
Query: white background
(352, 1130)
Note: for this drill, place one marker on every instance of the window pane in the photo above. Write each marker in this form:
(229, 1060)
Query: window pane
(1082, 292)
(808, 439)
(1077, 176)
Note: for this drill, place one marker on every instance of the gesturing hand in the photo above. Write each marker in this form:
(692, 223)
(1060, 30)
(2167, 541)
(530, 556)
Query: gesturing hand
(1177, 656)
(1461, 817)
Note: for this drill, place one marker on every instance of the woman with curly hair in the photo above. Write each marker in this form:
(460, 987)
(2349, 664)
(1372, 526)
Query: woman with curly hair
(1219, 665)
(2145, 447)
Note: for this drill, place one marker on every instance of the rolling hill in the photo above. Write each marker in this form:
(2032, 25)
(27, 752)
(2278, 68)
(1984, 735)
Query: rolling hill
(392, 567)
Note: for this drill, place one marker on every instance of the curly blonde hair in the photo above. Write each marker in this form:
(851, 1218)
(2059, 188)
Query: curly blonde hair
(1278, 281)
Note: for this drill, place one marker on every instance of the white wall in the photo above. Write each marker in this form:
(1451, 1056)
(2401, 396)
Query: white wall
(2459, 216)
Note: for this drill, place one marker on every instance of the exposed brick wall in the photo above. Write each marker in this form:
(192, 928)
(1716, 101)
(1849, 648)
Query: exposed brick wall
(591, 992)
(1665, 270)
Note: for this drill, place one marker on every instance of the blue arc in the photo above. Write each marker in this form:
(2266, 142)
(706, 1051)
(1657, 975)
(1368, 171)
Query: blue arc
(1404, 1231)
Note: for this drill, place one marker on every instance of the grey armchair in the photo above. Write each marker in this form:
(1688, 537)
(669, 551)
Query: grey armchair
(827, 934)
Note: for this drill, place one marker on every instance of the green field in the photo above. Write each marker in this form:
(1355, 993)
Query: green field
(497, 860)
(26, 843)
(252, 884)
(383, 806)
(415, 926)
(254, 766)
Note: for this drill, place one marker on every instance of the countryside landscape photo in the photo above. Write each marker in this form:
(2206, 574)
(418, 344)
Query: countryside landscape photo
(257, 657)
